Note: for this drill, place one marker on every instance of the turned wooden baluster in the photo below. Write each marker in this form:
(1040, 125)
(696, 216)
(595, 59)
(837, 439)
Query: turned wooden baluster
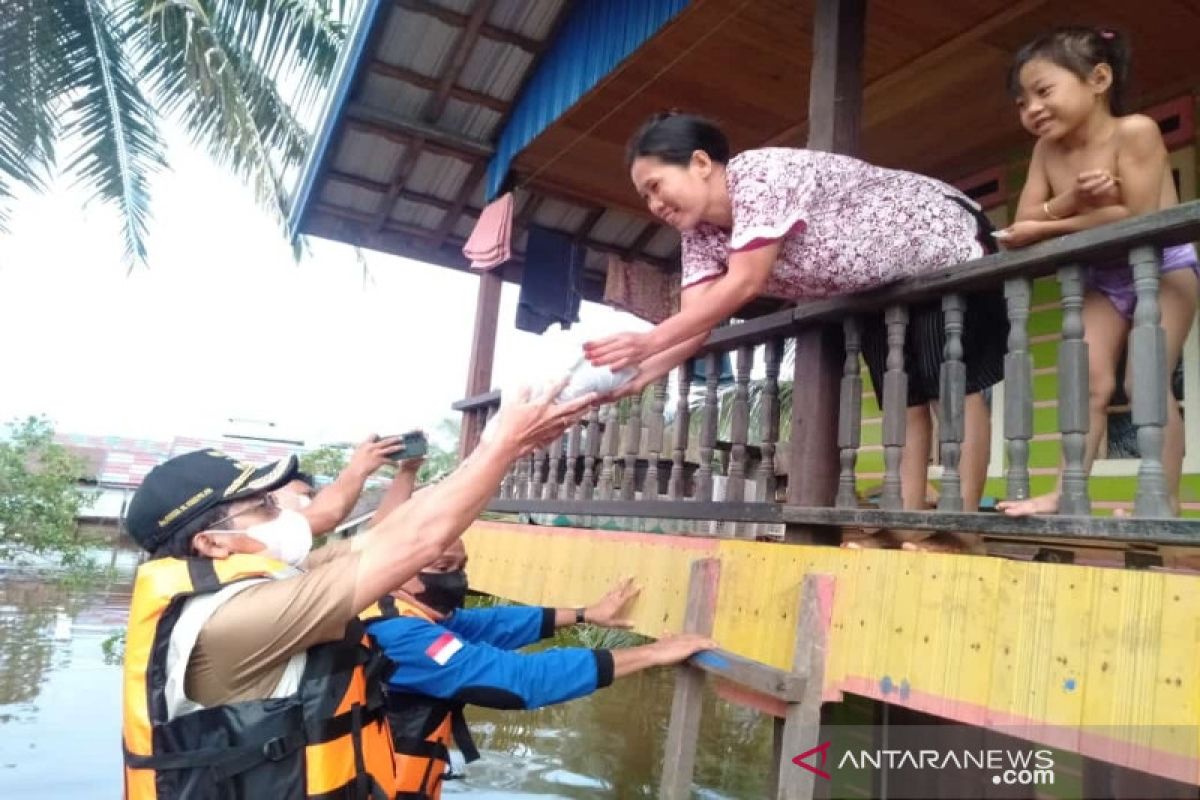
(739, 429)
(676, 486)
(654, 437)
(587, 484)
(612, 443)
(1018, 388)
(633, 446)
(1148, 362)
(895, 407)
(554, 463)
(849, 415)
(540, 458)
(1073, 394)
(708, 431)
(769, 419)
(952, 394)
(574, 445)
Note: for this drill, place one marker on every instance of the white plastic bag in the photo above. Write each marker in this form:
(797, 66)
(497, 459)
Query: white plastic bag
(585, 378)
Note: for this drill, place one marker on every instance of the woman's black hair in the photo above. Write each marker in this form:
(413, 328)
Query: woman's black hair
(1079, 49)
(672, 137)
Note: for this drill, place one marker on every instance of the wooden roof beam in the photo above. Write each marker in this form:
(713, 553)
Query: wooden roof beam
(589, 223)
(430, 83)
(639, 244)
(463, 45)
(455, 211)
(458, 20)
(528, 211)
(926, 61)
(383, 121)
(404, 166)
(382, 188)
(422, 234)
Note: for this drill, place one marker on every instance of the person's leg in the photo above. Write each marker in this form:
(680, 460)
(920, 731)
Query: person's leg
(914, 468)
(1105, 330)
(914, 460)
(976, 450)
(1177, 303)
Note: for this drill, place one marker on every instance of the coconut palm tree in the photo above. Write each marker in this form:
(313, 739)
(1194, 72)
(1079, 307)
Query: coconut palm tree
(95, 79)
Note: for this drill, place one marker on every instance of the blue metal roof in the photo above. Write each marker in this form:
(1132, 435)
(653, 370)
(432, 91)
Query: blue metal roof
(596, 37)
(347, 67)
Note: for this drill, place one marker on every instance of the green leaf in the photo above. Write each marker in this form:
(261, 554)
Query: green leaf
(115, 123)
(196, 73)
(40, 497)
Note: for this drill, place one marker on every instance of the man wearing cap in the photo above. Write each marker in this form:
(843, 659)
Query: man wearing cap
(246, 677)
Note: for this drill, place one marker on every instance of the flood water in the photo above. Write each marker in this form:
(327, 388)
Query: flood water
(60, 716)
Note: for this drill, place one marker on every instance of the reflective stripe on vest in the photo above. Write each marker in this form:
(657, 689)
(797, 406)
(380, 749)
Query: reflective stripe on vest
(329, 739)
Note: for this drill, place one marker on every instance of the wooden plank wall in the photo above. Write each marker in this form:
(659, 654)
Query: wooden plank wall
(1079, 658)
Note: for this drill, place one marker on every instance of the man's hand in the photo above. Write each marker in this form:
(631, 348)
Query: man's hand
(411, 465)
(606, 612)
(373, 454)
(527, 421)
(680, 647)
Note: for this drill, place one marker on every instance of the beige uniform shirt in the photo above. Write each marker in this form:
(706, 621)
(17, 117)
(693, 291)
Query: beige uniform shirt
(243, 648)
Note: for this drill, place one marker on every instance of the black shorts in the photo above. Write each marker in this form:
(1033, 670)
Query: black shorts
(984, 339)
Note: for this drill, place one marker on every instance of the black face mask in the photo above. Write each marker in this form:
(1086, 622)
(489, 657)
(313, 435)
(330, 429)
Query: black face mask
(444, 591)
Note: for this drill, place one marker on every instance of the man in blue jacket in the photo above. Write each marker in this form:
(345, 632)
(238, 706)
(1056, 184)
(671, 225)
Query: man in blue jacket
(447, 657)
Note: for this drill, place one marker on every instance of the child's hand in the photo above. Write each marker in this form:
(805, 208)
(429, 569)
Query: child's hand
(1020, 234)
(1098, 187)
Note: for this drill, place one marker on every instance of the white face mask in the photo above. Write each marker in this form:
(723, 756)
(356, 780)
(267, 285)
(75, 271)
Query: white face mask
(288, 537)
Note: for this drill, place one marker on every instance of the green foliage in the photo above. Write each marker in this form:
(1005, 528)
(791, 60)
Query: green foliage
(101, 75)
(40, 496)
(324, 462)
(113, 648)
(442, 457)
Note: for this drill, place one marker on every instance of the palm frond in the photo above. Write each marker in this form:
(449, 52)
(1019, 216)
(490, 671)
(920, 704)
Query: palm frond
(5, 196)
(119, 142)
(299, 39)
(31, 63)
(217, 96)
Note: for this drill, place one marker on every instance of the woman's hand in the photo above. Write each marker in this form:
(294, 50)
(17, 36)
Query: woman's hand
(620, 350)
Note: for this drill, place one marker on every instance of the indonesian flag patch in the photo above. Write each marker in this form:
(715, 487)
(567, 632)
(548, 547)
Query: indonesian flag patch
(443, 648)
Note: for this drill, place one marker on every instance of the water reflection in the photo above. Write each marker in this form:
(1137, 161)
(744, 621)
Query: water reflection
(60, 716)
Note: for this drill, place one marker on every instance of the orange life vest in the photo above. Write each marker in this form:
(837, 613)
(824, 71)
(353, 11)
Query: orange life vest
(329, 739)
(423, 728)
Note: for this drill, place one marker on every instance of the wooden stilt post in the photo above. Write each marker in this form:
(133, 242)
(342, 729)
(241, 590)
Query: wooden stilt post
(801, 727)
(679, 754)
(483, 351)
(834, 112)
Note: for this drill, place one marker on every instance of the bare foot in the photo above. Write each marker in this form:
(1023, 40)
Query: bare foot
(882, 539)
(1042, 504)
(959, 543)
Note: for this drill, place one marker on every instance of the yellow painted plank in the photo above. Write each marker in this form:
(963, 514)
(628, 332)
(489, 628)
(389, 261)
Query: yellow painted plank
(1100, 661)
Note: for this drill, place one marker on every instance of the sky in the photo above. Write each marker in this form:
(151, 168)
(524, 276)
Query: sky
(223, 324)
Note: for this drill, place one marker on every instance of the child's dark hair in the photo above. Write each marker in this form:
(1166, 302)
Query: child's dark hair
(672, 137)
(1080, 50)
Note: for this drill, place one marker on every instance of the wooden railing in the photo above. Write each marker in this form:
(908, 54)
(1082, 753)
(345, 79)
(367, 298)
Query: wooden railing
(641, 458)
